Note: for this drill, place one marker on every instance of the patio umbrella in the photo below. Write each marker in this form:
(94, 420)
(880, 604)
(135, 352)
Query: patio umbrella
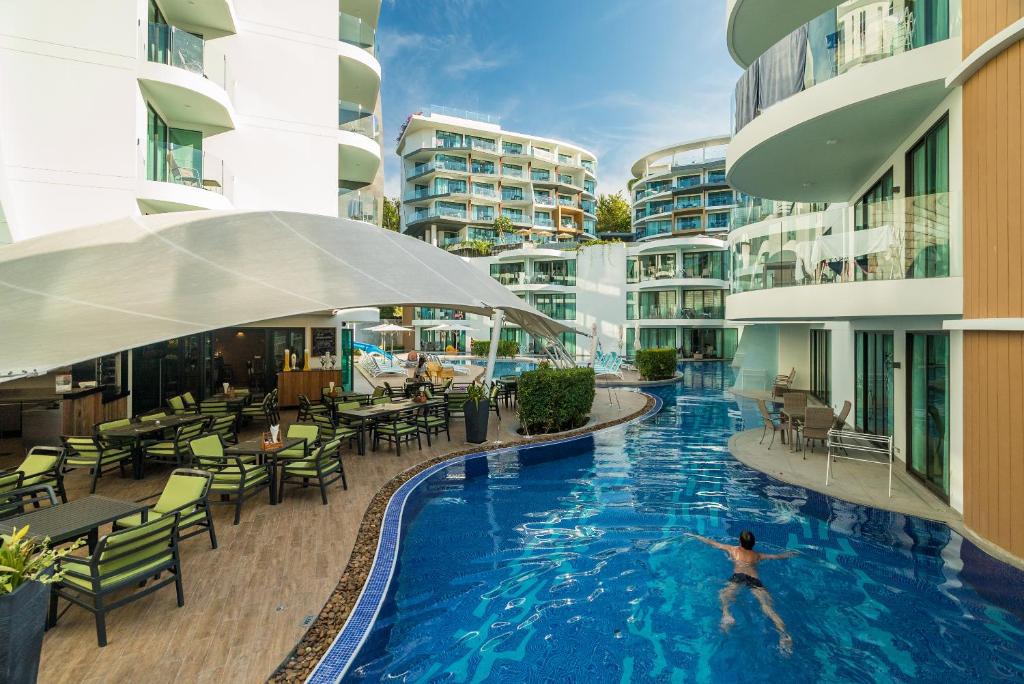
(450, 327)
(636, 336)
(593, 344)
(385, 329)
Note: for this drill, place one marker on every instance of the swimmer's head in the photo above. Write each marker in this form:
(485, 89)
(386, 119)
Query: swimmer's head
(747, 539)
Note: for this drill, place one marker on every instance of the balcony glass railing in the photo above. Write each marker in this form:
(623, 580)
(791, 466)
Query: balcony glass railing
(543, 155)
(368, 124)
(176, 47)
(654, 228)
(511, 173)
(906, 237)
(186, 165)
(540, 176)
(485, 193)
(356, 31)
(483, 214)
(658, 313)
(551, 278)
(506, 279)
(685, 183)
(754, 210)
(437, 165)
(559, 312)
(544, 200)
(543, 222)
(423, 313)
(508, 195)
(462, 114)
(720, 199)
(689, 223)
(521, 219)
(716, 177)
(439, 212)
(567, 202)
(359, 205)
(843, 38)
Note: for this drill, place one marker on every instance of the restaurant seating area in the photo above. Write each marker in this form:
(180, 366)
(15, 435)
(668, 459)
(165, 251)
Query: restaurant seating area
(231, 452)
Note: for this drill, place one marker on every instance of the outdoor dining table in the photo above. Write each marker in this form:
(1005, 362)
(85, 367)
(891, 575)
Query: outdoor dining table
(74, 519)
(793, 417)
(267, 454)
(378, 411)
(235, 402)
(136, 432)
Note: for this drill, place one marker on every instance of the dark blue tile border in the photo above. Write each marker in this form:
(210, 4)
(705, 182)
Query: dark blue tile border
(336, 661)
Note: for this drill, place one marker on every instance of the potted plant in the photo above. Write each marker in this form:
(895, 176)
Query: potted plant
(26, 568)
(477, 409)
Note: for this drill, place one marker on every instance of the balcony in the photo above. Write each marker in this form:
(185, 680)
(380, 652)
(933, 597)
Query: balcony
(353, 30)
(440, 213)
(684, 203)
(543, 222)
(358, 119)
(568, 202)
(434, 167)
(654, 229)
(484, 193)
(423, 313)
(178, 81)
(513, 195)
(668, 313)
(519, 219)
(360, 205)
(215, 17)
(544, 200)
(359, 155)
(358, 68)
(183, 178)
(511, 173)
(860, 95)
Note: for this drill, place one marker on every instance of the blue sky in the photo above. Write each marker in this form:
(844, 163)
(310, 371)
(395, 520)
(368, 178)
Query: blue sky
(620, 77)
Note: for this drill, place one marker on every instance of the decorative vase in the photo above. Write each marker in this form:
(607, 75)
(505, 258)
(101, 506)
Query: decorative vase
(476, 420)
(22, 619)
(305, 360)
(295, 358)
(287, 361)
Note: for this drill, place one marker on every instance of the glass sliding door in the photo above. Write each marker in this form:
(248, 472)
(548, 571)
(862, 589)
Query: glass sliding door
(927, 238)
(928, 410)
(874, 382)
(821, 365)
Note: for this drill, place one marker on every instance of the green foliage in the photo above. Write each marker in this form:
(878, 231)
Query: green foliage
(503, 224)
(25, 560)
(391, 218)
(613, 214)
(555, 399)
(656, 364)
(505, 347)
(476, 393)
(595, 243)
(481, 247)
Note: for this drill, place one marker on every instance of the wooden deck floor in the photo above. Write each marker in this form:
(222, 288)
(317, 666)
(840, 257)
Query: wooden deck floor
(247, 603)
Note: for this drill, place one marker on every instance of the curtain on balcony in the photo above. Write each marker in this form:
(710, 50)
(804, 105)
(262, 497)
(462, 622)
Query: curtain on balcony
(781, 69)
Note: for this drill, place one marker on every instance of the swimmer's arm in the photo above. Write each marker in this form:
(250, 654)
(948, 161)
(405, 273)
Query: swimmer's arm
(710, 542)
(777, 556)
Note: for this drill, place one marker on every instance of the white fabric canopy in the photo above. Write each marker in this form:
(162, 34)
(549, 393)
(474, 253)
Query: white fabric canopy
(856, 244)
(96, 290)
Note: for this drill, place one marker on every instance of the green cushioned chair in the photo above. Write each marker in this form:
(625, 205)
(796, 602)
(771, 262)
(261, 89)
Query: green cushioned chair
(125, 559)
(492, 397)
(215, 409)
(175, 451)
(234, 480)
(324, 467)
(377, 392)
(90, 452)
(10, 481)
(310, 433)
(190, 402)
(264, 411)
(397, 428)
(456, 403)
(307, 409)
(153, 415)
(226, 426)
(100, 428)
(338, 429)
(433, 420)
(16, 501)
(178, 406)
(185, 494)
(44, 465)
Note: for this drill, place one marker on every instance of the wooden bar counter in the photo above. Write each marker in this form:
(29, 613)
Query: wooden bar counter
(291, 384)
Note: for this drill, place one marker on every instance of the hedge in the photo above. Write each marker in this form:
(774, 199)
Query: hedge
(505, 347)
(555, 399)
(656, 364)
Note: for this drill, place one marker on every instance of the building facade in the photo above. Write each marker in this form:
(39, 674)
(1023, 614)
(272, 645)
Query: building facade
(151, 106)
(883, 272)
(461, 170)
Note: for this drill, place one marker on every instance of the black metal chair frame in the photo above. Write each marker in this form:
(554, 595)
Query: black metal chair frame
(322, 480)
(404, 416)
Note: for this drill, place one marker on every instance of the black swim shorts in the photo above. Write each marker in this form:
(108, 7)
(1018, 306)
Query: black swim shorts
(741, 578)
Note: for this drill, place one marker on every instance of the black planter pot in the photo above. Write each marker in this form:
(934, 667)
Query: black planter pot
(476, 420)
(22, 618)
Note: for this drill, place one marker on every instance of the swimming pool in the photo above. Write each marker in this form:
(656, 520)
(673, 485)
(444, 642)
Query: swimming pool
(569, 564)
(506, 366)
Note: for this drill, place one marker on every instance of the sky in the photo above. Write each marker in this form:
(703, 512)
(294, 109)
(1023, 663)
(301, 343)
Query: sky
(619, 77)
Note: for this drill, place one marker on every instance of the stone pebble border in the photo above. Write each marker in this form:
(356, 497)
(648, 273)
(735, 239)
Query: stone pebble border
(330, 625)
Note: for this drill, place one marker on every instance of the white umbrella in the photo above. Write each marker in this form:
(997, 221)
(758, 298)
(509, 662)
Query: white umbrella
(636, 336)
(450, 327)
(593, 344)
(385, 328)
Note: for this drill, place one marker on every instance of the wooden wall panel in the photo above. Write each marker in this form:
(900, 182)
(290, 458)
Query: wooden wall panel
(994, 437)
(993, 163)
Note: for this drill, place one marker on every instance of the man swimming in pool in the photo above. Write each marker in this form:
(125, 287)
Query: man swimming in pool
(744, 574)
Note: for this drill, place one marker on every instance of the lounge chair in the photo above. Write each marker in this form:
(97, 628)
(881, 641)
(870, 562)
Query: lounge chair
(612, 367)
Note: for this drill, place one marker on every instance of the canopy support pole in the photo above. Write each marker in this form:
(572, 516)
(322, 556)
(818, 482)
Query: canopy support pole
(492, 352)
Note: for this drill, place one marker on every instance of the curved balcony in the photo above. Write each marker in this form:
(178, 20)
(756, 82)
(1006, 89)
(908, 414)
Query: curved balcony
(359, 156)
(835, 103)
(181, 178)
(358, 68)
(360, 205)
(217, 17)
(177, 78)
(824, 265)
(753, 26)
(657, 316)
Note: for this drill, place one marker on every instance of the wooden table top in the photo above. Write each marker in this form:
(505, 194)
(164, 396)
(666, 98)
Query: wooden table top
(65, 522)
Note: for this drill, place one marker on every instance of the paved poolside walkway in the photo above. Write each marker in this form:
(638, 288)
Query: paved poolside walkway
(248, 602)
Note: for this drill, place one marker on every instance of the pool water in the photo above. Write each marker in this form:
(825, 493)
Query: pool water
(569, 564)
(506, 367)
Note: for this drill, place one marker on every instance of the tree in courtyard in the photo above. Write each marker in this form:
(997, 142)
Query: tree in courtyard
(502, 224)
(613, 214)
(390, 219)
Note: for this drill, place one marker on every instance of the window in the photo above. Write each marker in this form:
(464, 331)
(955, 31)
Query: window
(509, 274)
(451, 209)
(688, 202)
(564, 158)
(927, 236)
(481, 143)
(721, 198)
(928, 410)
(512, 194)
(821, 365)
(512, 148)
(482, 166)
(542, 175)
(589, 186)
(447, 161)
(560, 306)
(659, 304)
(483, 213)
(718, 221)
(874, 382)
(688, 181)
(873, 210)
(560, 272)
(514, 214)
(688, 223)
(446, 186)
(447, 139)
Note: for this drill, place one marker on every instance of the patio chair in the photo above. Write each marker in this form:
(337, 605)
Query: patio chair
(840, 421)
(392, 392)
(308, 408)
(44, 465)
(263, 411)
(397, 428)
(226, 426)
(182, 175)
(433, 420)
(105, 425)
(456, 403)
(817, 423)
(234, 480)
(10, 481)
(378, 392)
(309, 433)
(190, 402)
(324, 467)
(122, 560)
(17, 501)
(175, 451)
(177, 405)
(158, 414)
(184, 495)
(493, 399)
(783, 383)
(769, 422)
(90, 452)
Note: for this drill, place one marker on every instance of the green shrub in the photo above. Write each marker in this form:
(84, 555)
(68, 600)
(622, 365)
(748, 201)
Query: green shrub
(555, 399)
(505, 347)
(656, 364)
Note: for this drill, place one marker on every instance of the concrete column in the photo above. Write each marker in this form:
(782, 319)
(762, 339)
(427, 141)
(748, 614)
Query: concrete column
(492, 353)
(433, 235)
